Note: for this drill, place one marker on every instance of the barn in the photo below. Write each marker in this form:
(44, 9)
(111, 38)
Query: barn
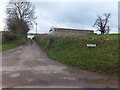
(68, 31)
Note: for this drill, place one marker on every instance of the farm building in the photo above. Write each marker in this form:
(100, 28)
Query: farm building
(67, 31)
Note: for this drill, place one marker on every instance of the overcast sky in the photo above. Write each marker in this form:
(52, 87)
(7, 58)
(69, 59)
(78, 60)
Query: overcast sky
(80, 15)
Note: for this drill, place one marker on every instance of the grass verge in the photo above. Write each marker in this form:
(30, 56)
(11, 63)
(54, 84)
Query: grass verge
(73, 51)
(13, 44)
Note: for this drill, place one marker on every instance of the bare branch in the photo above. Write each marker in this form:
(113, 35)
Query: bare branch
(23, 12)
(101, 23)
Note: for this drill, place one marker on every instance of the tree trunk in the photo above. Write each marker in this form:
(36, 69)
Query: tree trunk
(102, 32)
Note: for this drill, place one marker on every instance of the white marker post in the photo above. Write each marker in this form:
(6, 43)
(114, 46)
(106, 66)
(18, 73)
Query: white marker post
(91, 45)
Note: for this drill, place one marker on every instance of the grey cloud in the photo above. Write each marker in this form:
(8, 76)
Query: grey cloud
(76, 15)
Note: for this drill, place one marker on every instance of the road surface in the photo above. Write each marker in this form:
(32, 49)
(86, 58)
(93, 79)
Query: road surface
(29, 67)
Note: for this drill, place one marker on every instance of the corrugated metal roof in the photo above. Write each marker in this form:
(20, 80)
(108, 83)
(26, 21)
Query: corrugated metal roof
(72, 29)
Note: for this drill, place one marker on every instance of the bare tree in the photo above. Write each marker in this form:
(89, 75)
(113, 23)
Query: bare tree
(20, 14)
(101, 23)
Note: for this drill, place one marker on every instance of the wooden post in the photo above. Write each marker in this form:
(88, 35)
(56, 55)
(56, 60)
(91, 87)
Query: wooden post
(36, 28)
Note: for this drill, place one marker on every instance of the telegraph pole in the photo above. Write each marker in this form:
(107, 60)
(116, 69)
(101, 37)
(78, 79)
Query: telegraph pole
(36, 28)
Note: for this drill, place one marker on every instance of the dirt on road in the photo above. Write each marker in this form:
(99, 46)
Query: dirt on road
(28, 66)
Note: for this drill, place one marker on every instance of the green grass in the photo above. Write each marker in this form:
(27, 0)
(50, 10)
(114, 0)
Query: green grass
(13, 44)
(73, 51)
(9, 46)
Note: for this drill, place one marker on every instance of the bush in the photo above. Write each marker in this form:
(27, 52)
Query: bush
(9, 37)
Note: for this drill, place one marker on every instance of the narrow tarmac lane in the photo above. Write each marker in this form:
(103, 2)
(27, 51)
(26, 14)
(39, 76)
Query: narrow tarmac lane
(28, 66)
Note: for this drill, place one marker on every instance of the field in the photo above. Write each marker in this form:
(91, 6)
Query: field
(72, 50)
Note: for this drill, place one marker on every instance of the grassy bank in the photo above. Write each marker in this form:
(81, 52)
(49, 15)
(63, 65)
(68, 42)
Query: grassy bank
(13, 44)
(73, 51)
(10, 45)
(10, 40)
